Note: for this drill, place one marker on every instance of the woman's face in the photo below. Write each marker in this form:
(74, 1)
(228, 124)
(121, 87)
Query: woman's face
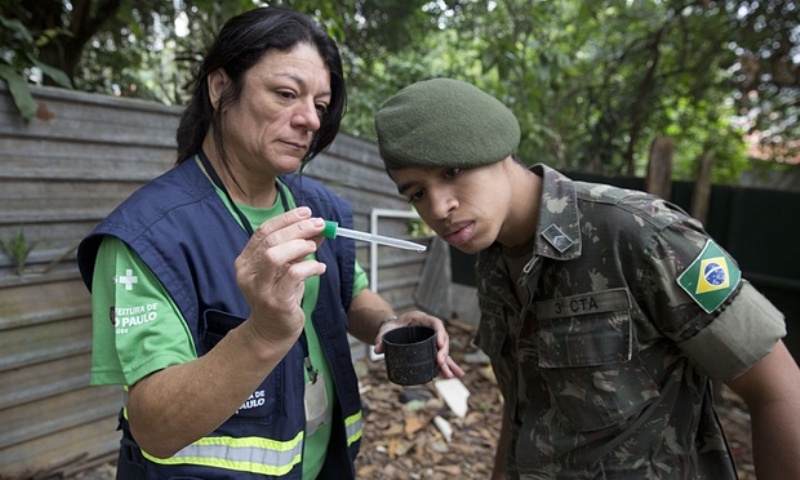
(268, 130)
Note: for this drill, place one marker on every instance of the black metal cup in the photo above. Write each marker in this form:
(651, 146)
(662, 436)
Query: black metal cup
(410, 354)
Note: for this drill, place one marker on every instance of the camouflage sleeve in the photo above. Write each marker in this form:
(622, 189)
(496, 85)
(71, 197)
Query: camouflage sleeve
(743, 333)
(668, 254)
(697, 297)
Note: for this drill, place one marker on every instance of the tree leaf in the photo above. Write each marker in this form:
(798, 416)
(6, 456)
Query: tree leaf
(20, 92)
(16, 26)
(57, 75)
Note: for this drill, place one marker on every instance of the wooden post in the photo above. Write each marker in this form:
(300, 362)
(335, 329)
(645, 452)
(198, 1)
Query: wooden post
(659, 167)
(701, 195)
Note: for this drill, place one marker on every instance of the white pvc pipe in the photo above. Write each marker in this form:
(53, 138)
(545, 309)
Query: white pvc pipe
(374, 216)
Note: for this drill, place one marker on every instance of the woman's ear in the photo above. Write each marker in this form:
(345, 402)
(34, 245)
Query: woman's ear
(217, 81)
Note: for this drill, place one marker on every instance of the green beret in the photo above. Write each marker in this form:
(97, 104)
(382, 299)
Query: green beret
(444, 123)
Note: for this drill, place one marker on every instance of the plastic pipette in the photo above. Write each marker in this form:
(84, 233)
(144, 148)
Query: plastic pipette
(332, 230)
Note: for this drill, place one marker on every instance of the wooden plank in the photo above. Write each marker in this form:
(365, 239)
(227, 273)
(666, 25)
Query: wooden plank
(51, 239)
(52, 299)
(66, 160)
(115, 123)
(75, 96)
(45, 342)
(356, 149)
(33, 420)
(336, 172)
(60, 449)
(88, 130)
(60, 201)
(42, 380)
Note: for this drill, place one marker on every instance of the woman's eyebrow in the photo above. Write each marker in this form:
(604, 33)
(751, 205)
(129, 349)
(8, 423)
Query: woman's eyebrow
(300, 81)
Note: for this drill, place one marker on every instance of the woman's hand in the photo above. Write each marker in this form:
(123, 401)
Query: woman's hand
(272, 269)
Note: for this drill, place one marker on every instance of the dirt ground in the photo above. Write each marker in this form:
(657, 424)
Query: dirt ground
(401, 440)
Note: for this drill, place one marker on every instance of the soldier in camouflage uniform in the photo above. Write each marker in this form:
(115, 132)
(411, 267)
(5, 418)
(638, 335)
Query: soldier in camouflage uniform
(606, 312)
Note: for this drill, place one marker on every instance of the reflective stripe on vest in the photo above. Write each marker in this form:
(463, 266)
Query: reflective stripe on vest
(248, 454)
(353, 428)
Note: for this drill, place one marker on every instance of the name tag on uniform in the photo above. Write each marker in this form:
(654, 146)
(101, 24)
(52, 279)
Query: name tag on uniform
(316, 404)
(584, 304)
(490, 308)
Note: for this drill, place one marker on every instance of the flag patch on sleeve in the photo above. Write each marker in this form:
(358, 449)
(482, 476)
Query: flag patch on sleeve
(710, 278)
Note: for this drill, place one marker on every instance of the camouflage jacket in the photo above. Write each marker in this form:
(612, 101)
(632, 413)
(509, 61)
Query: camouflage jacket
(605, 369)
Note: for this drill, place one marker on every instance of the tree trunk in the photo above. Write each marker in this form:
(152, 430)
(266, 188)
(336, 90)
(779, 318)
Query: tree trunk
(85, 20)
(659, 168)
(702, 188)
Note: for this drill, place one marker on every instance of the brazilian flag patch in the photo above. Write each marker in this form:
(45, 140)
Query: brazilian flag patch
(711, 277)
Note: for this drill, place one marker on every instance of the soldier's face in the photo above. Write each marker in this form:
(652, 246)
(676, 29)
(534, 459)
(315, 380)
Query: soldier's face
(466, 207)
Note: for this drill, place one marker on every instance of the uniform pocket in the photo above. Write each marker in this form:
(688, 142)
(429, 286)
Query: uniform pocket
(262, 403)
(586, 357)
(218, 324)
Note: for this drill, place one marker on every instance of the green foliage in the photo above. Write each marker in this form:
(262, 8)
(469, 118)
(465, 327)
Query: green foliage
(700, 126)
(143, 53)
(592, 83)
(18, 249)
(419, 229)
(19, 63)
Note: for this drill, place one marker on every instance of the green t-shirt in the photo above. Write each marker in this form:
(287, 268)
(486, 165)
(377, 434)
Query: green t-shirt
(140, 331)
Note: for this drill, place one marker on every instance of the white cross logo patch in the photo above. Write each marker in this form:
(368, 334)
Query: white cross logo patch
(128, 279)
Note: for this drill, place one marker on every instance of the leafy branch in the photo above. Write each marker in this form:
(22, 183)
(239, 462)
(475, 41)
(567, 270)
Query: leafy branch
(18, 250)
(18, 47)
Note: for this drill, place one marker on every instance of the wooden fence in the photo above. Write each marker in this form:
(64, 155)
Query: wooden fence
(59, 175)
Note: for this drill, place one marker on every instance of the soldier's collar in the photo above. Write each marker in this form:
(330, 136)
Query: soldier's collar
(558, 234)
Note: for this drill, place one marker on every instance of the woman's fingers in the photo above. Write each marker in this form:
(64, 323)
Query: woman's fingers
(272, 269)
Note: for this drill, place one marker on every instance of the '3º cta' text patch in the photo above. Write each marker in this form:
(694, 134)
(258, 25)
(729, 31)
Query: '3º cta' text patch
(710, 278)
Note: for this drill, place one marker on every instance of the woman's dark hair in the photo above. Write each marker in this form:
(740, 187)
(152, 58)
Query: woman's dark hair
(241, 43)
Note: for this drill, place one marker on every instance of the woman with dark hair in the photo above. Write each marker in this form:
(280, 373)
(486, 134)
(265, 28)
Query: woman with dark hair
(215, 301)
(237, 49)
